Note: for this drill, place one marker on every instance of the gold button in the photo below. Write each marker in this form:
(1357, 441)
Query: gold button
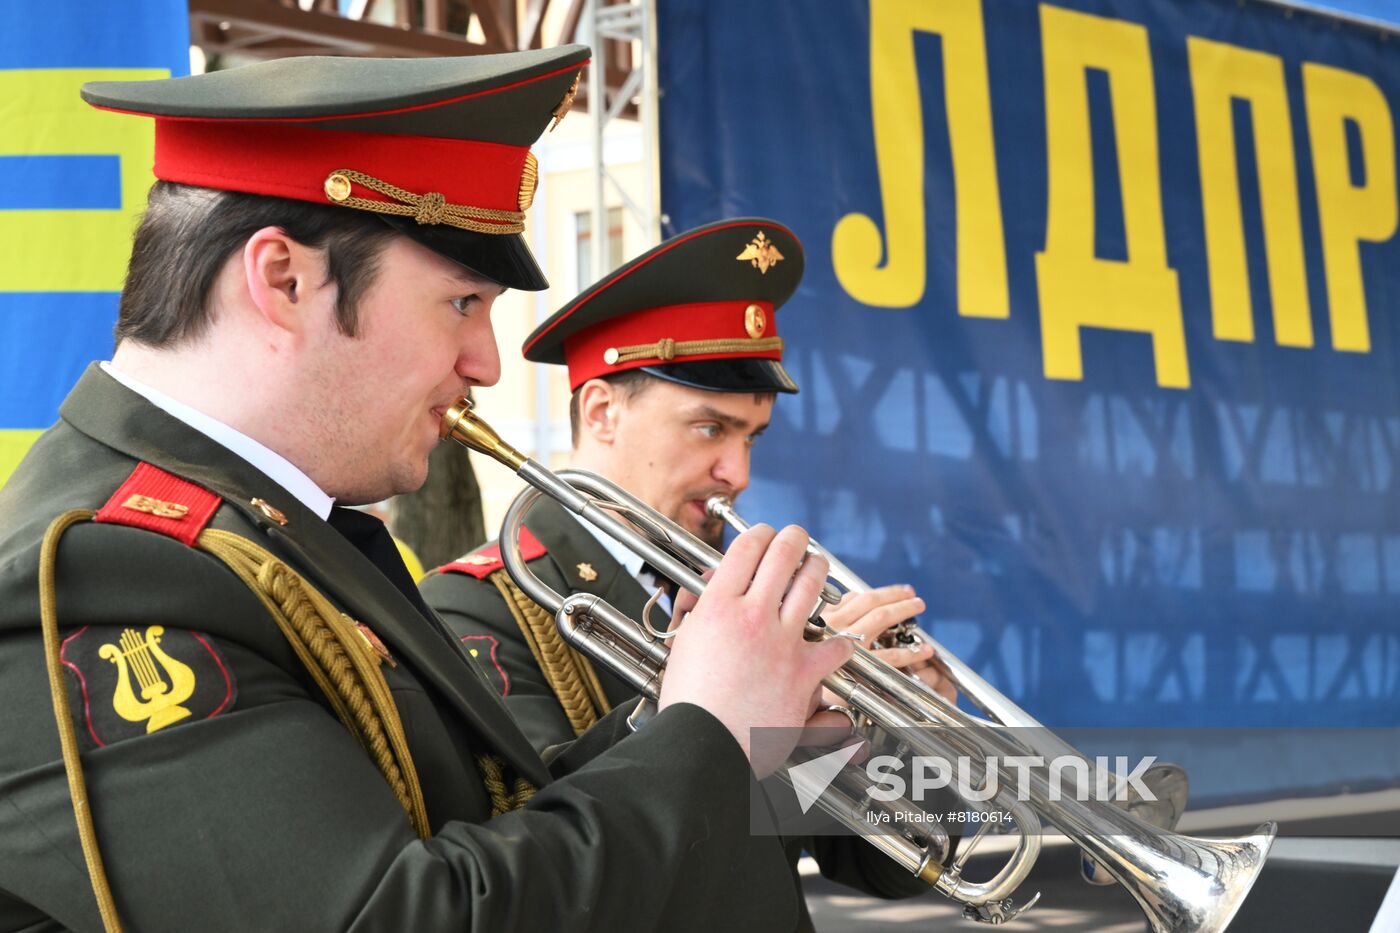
(755, 321)
(270, 511)
(337, 187)
(610, 356)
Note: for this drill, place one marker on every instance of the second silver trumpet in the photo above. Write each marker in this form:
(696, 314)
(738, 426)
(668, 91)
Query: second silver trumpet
(1182, 883)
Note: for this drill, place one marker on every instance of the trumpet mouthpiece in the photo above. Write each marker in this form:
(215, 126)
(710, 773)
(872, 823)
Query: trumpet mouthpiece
(717, 505)
(461, 424)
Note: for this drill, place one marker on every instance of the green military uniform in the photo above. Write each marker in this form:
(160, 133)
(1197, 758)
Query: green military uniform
(571, 559)
(700, 311)
(254, 721)
(258, 809)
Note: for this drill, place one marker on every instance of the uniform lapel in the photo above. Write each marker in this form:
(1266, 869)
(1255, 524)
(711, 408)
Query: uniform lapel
(424, 643)
(570, 545)
(110, 413)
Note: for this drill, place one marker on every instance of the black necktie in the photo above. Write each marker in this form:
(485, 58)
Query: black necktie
(371, 538)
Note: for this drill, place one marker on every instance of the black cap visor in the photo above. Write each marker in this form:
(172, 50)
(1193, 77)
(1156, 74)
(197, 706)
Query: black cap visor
(746, 374)
(501, 257)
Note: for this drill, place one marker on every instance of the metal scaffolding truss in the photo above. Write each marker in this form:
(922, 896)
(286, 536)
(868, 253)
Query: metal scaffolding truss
(608, 29)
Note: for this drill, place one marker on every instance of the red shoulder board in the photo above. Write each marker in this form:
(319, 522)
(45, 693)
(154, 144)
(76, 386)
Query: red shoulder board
(161, 502)
(486, 561)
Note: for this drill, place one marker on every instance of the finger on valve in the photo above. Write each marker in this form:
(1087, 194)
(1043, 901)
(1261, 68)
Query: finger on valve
(874, 612)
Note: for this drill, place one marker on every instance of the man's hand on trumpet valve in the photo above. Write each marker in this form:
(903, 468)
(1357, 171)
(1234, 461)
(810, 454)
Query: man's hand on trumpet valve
(741, 654)
(875, 612)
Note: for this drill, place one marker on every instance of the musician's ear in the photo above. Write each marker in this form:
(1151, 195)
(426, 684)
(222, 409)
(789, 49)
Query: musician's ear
(597, 404)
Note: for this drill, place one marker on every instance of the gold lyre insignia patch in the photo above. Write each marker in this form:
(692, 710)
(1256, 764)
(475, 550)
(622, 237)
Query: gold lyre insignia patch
(162, 682)
(157, 507)
(164, 677)
(760, 253)
(587, 573)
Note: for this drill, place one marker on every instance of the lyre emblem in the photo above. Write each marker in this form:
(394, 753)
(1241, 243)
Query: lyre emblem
(761, 253)
(164, 682)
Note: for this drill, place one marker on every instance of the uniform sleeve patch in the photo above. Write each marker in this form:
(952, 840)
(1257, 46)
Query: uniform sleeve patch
(483, 649)
(126, 682)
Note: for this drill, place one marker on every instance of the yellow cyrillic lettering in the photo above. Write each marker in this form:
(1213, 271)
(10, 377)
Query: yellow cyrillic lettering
(1349, 213)
(856, 248)
(1219, 74)
(1078, 289)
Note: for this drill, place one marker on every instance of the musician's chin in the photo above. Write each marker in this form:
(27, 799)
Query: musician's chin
(712, 533)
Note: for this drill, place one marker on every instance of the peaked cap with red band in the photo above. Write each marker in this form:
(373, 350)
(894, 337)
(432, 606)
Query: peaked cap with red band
(697, 310)
(438, 148)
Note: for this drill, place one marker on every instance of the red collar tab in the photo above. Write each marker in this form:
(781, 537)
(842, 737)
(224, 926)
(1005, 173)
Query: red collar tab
(161, 502)
(289, 161)
(486, 561)
(735, 322)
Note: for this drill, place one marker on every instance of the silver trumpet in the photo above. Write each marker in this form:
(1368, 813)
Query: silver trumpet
(1182, 883)
(1168, 783)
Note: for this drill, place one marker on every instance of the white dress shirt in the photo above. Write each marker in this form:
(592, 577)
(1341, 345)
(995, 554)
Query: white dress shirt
(630, 561)
(277, 467)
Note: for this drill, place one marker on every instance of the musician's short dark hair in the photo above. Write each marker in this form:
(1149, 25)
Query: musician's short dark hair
(187, 234)
(628, 384)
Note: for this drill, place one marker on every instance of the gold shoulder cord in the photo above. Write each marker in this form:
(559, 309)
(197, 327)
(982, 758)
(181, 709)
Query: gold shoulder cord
(493, 774)
(324, 639)
(569, 673)
(67, 734)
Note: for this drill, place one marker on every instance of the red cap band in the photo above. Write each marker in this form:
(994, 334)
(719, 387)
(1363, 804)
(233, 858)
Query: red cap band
(293, 161)
(710, 320)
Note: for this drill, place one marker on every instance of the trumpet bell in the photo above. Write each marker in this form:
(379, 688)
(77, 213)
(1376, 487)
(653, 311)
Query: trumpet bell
(1187, 883)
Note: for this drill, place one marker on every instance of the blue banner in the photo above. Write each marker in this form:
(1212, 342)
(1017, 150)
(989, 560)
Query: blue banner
(73, 180)
(1096, 343)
